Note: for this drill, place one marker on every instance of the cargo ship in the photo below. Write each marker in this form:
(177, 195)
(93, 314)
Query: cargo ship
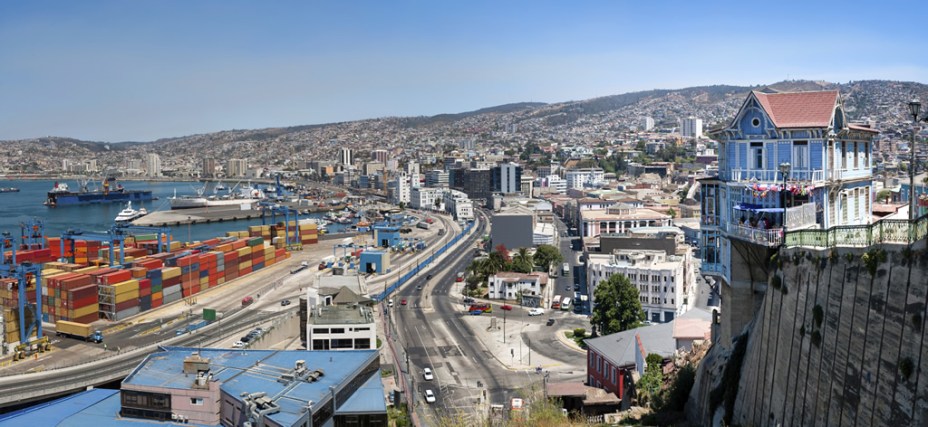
(9, 190)
(61, 195)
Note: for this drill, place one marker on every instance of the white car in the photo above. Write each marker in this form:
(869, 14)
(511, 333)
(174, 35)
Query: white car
(427, 373)
(429, 396)
(238, 344)
(536, 312)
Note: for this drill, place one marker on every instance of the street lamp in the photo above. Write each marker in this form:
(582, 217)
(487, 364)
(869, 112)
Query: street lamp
(914, 107)
(784, 170)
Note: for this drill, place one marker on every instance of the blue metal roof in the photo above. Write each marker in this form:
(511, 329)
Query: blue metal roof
(52, 413)
(369, 398)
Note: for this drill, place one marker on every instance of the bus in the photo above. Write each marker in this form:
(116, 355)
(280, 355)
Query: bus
(565, 269)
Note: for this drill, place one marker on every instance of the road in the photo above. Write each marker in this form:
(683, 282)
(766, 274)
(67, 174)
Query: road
(571, 247)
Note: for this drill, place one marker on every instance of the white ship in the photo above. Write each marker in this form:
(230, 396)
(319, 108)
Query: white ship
(246, 197)
(128, 214)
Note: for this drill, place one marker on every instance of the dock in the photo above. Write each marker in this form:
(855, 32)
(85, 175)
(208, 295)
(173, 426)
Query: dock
(195, 216)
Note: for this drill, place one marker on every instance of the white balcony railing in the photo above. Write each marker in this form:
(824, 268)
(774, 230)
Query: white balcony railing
(774, 175)
(766, 237)
(851, 173)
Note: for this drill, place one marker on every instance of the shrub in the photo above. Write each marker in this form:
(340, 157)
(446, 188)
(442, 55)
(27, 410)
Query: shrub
(580, 332)
(802, 331)
(905, 367)
(817, 339)
(776, 281)
(917, 322)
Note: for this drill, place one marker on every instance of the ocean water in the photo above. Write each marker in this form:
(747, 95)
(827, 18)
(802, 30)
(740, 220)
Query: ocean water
(21, 207)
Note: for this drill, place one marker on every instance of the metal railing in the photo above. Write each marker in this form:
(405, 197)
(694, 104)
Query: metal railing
(894, 231)
(800, 216)
(851, 173)
(766, 237)
(774, 175)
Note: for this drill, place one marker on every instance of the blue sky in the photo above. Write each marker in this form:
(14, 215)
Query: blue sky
(142, 70)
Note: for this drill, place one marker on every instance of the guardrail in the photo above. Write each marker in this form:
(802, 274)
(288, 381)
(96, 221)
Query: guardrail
(419, 266)
(24, 388)
(897, 231)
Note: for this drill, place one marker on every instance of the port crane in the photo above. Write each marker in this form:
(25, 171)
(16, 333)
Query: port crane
(116, 236)
(29, 315)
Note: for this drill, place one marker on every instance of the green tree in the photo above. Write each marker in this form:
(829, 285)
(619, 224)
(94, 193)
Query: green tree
(617, 306)
(883, 195)
(649, 387)
(672, 213)
(546, 256)
(522, 262)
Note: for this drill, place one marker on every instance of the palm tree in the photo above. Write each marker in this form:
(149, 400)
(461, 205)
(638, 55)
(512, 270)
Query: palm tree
(522, 262)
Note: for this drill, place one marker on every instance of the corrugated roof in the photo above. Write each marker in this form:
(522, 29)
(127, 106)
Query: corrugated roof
(368, 399)
(54, 412)
(799, 109)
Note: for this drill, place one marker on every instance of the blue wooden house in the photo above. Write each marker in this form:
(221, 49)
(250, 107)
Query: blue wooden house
(786, 161)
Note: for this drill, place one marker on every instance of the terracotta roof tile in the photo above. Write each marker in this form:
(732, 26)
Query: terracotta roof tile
(799, 109)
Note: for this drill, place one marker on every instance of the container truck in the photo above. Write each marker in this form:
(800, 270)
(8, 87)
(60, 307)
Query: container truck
(78, 330)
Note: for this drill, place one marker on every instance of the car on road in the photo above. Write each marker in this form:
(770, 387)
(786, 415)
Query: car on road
(429, 277)
(476, 312)
(468, 300)
(550, 322)
(238, 344)
(418, 287)
(576, 286)
(285, 303)
(505, 307)
(245, 339)
(427, 374)
(403, 301)
(537, 311)
(429, 396)
(390, 302)
(567, 288)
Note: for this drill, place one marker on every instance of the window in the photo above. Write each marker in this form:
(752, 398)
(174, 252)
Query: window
(197, 401)
(755, 122)
(338, 330)
(758, 158)
(362, 343)
(361, 329)
(320, 330)
(800, 158)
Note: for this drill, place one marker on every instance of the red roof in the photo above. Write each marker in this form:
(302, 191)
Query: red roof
(799, 109)
(860, 127)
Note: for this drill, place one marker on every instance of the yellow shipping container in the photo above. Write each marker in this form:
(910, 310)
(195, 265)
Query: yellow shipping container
(134, 294)
(244, 264)
(244, 251)
(54, 264)
(175, 245)
(170, 272)
(127, 286)
(221, 280)
(86, 270)
(83, 311)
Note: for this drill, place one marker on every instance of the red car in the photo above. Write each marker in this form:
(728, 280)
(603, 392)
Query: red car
(403, 301)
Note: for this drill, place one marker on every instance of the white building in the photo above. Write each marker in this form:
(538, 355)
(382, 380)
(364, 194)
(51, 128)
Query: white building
(580, 178)
(336, 327)
(692, 127)
(506, 285)
(557, 183)
(458, 205)
(412, 169)
(510, 178)
(424, 197)
(401, 193)
(620, 219)
(380, 156)
(237, 168)
(436, 179)
(345, 157)
(665, 283)
(153, 165)
(647, 124)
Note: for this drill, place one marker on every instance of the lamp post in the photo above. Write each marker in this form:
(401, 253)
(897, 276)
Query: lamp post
(784, 170)
(914, 107)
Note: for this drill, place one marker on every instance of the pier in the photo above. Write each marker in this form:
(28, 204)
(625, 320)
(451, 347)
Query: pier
(195, 216)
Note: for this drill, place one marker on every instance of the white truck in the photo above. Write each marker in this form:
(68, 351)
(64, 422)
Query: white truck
(565, 304)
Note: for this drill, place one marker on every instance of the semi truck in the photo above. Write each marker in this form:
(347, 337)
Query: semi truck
(78, 330)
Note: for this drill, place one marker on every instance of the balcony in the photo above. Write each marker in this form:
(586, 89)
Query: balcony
(767, 237)
(851, 173)
(774, 175)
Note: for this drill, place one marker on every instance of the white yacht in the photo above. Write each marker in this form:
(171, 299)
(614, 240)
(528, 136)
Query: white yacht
(128, 214)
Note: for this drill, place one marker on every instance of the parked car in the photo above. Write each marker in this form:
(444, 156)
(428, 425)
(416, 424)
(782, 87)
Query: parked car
(536, 311)
(429, 396)
(238, 344)
(246, 338)
(427, 374)
(476, 312)
(285, 303)
(403, 301)
(429, 277)
(550, 321)
(390, 302)
(468, 300)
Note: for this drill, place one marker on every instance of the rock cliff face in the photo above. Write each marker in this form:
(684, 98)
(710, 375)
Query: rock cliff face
(838, 339)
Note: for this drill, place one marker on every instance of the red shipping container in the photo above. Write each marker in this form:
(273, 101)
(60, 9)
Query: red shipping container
(155, 303)
(244, 271)
(82, 302)
(79, 281)
(90, 318)
(116, 277)
(127, 304)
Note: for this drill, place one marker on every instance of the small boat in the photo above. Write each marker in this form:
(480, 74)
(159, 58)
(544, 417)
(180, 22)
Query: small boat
(9, 190)
(129, 214)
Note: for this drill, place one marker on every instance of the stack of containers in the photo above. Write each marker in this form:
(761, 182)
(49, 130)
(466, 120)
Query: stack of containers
(189, 274)
(107, 292)
(144, 294)
(76, 297)
(257, 252)
(219, 277)
(127, 299)
(9, 300)
(171, 284)
(155, 285)
(231, 260)
(309, 232)
(55, 244)
(244, 259)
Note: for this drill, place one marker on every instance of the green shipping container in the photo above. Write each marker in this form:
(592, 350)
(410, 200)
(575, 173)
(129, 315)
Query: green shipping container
(209, 314)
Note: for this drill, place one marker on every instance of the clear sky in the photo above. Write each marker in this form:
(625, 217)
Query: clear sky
(142, 70)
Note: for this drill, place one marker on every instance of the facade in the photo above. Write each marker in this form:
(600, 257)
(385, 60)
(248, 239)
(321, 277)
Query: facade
(153, 165)
(476, 183)
(401, 193)
(620, 218)
(458, 205)
(425, 197)
(508, 285)
(237, 168)
(436, 179)
(647, 124)
(513, 229)
(380, 156)
(795, 148)
(582, 178)
(412, 170)
(507, 178)
(209, 168)
(336, 327)
(555, 182)
(665, 282)
(345, 157)
(692, 127)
